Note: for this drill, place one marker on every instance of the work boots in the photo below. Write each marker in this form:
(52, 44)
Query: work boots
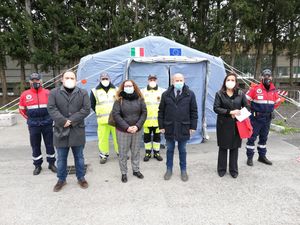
(263, 159)
(37, 170)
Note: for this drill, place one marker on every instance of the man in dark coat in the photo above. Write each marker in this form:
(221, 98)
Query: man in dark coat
(177, 119)
(68, 106)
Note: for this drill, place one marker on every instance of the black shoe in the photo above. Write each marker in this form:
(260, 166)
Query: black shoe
(221, 173)
(162, 146)
(124, 178)
(53, 168)
(158, 157)
(147, 157)
(263, 159)
(250, 162)
(37, 170)
(234, 175)
(138, 174)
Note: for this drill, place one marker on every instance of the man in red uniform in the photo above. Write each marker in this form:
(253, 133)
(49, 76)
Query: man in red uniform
(33, 107)
(263, 99)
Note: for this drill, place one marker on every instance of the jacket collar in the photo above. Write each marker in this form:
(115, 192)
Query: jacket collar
(66, 94)
(185, 92)
(272, 86)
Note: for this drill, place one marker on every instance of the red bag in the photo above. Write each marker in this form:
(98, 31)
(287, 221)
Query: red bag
(245, 128)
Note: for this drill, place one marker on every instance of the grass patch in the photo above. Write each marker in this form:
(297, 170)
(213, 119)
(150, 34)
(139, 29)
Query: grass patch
(287, 129)
(10, 108)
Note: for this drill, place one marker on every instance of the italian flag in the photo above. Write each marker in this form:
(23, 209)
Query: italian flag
(137, 52)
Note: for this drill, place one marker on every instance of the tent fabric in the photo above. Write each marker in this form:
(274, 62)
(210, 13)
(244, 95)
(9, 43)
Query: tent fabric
(119, 64)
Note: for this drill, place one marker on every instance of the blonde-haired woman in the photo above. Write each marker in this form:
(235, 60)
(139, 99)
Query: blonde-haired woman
(129, 113)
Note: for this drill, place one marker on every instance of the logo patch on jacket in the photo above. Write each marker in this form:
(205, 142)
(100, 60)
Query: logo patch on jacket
(28, 97)
(259, 91)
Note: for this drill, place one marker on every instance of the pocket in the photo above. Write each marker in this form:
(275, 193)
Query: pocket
(169, 127)
(185, 128)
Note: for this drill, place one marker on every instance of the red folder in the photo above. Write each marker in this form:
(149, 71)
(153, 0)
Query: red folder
(245, 128)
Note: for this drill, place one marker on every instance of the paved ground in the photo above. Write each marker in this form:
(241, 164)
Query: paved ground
(264, 195)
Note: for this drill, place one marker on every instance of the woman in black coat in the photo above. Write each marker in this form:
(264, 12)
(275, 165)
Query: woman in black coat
(129, 113)
(228, 102)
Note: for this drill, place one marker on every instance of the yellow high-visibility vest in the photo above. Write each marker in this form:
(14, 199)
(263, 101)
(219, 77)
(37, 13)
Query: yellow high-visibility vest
(104, 103)
(152, 100)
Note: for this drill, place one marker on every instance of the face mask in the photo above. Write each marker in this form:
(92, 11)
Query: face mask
(105, 83)
(178, 85)
(230, 84)
(69, 84)
(152, 84)
(36, 85)
(129, 90)
(266, 82)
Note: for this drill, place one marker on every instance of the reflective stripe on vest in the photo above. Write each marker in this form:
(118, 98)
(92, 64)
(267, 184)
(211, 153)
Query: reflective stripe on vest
(152, 100)
(104, 104)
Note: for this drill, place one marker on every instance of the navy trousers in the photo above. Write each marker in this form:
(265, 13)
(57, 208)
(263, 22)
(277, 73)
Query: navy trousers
(36, 134)
(261, 126)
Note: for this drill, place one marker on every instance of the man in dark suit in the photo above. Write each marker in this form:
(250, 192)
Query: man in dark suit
(177, 118)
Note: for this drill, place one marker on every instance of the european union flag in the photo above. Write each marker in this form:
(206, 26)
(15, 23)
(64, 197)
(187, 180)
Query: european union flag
(175, 51)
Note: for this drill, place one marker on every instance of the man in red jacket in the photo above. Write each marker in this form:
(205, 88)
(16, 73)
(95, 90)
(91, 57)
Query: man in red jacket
(263, 99)
(33, 107)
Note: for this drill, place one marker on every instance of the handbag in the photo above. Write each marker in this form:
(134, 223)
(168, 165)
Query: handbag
(111, 120)
(245, 128)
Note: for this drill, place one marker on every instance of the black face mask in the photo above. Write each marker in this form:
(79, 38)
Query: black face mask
(36, 85)
(266, 82)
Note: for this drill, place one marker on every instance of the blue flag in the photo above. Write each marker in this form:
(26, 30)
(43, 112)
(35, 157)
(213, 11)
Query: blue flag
(175, 51)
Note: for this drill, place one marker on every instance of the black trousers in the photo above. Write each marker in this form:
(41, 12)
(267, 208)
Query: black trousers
(233, 160)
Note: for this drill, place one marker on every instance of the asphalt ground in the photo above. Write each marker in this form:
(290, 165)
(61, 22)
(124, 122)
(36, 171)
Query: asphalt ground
(262, 194)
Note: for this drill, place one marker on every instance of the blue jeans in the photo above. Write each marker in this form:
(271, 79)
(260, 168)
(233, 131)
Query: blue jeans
(170, 154)
(62, 157)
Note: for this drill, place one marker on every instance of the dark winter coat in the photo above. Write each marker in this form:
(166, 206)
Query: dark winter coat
(178, 116)
(63, 106)
(129, 112)
(227, 133)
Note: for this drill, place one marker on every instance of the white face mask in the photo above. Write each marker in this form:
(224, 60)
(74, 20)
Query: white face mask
(230, 84)
(129, 90)
(105, 83)
(152, 84)
(69, 83)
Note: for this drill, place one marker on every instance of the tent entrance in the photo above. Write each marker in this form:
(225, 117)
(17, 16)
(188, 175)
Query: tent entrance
(194, 69)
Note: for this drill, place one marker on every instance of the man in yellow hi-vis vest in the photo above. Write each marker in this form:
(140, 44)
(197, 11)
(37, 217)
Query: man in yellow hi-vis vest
(102, 99)
(152, 94)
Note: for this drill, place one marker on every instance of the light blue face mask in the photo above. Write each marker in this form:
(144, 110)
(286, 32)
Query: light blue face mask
(129, 90)
(178, 85)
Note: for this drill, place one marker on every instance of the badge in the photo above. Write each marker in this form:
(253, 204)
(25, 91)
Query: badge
(28, 97)
(260, 97)
(259, 91)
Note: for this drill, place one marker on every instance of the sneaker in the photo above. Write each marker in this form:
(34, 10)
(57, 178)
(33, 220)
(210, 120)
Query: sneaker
(158, 157)
(138, 174)
(103, 160)
(124, 178)
(263, 159)
(37, 170)
(168, 175)
(147, 157)
(83, 183)
(59, 185)
(184, 176)
(52, 167)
